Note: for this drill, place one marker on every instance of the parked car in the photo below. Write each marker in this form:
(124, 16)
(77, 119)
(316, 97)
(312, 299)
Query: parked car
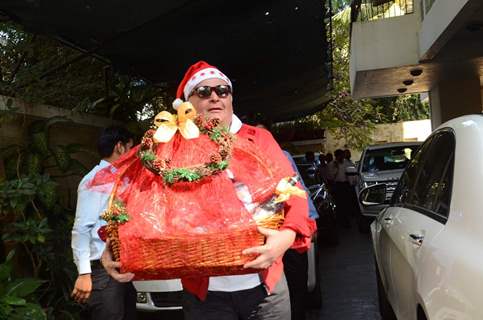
(383, 163)
(428, 240)
(158, 295)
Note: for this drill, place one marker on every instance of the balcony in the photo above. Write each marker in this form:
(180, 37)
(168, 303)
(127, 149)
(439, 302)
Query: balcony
(384, 42)
(368, 10)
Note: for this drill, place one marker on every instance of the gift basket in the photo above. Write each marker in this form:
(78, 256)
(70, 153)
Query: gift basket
(187, 201)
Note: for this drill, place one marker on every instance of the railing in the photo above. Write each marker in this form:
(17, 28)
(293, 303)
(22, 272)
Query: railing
(367, 10)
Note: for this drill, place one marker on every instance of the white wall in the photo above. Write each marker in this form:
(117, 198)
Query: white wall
(436, 21)
(385, 43)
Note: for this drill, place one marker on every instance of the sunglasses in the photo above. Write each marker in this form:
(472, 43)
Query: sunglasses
(203, 92)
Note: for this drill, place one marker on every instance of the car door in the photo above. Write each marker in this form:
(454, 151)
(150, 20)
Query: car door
(420, 217)
(385, 228)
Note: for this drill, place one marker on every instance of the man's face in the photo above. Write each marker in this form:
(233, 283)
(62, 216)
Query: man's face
(214, 106)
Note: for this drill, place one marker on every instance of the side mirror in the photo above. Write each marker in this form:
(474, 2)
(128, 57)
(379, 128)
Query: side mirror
(374, 195)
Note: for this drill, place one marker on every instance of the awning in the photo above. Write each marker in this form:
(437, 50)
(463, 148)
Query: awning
(275, 52)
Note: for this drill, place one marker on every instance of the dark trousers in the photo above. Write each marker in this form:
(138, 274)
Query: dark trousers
(343, 196)
(251, 304)
(296, 267)
(110, 299)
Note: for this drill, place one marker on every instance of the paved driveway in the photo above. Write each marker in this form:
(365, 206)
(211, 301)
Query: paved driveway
(349, 289)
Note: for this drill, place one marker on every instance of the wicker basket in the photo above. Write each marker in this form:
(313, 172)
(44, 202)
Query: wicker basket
(199, 255)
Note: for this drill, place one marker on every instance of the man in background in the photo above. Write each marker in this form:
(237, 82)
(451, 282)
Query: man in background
(104, 298)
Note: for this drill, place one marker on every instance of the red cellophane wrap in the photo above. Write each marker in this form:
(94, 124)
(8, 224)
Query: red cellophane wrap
(188, 228)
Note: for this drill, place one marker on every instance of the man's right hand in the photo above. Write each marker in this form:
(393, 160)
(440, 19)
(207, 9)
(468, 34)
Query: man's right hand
(112, 266)
(82, 288)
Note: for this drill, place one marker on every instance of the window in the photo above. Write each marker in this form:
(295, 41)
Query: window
(427, 182)
(408, 178)
(435, 176)
(394, 158)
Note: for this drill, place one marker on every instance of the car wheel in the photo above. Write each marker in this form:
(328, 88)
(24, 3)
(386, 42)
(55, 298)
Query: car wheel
(314, 297)
(385, 308)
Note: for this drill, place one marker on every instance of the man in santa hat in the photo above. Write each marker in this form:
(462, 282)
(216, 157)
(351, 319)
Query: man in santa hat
(261, 295)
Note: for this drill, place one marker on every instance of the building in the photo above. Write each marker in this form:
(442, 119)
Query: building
(413, 46)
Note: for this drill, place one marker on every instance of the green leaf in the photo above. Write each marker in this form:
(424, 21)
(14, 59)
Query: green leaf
(10, 256)
(148, 156)
(5, 270)
(122, 218)
(40, 238)
(23, 287)
(13, 300)
(29, 311)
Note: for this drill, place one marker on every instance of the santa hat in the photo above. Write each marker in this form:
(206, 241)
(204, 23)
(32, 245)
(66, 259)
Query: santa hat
(198, 72)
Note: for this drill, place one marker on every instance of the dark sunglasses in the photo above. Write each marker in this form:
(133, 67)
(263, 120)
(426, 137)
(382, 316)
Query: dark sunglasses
(205, 91)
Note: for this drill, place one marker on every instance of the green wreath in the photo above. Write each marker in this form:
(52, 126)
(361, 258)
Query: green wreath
(218, 161)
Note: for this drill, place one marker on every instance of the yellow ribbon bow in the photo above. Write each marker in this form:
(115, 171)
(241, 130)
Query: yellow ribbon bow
(285, 189)
(168, 124)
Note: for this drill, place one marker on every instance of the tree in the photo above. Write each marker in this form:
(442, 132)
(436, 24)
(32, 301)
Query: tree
(39, 69)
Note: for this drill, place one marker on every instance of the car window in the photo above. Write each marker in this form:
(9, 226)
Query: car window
(408, 178)
(392, 158)
(443, 196)
(433, 188)
(427, 182)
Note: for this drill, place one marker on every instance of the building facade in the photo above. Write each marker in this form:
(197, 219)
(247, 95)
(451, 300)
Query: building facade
(414, 46)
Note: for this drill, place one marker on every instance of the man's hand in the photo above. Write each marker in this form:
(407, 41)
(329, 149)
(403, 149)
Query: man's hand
(112, 266)
(82, 288)
(277, 243)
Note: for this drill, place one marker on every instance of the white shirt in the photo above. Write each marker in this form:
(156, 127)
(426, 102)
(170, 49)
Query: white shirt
(86, 244)
(337, 170)
(237, 282)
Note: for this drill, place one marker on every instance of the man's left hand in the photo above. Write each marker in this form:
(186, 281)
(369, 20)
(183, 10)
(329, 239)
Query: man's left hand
(277, 243)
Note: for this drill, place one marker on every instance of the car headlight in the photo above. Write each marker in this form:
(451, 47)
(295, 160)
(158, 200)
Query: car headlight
(142, 297)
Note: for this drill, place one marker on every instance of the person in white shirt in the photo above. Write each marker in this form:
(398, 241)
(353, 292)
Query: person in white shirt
(342, 189)
(102, 298)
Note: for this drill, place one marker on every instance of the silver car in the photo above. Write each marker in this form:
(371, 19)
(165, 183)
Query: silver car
(383, 163)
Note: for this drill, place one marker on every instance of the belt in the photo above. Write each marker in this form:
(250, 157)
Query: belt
(96, 264)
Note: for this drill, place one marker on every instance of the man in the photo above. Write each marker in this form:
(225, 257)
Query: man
(295, 264)
(342, 189)
(262, 295)
(105, 299)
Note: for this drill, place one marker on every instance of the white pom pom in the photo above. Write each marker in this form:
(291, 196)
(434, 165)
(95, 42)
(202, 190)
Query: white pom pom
(177, 103)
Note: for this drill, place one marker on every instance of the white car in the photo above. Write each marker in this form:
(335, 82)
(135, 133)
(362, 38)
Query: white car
(157, 295)
(428, 242)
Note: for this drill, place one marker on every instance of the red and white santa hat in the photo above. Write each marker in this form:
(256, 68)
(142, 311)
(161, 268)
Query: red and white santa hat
(198, 72)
